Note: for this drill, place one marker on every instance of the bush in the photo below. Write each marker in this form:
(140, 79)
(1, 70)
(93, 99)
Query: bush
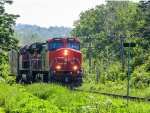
(2, 80)
(140, 78)
(4, 67)
(11, 80)
(111, 73)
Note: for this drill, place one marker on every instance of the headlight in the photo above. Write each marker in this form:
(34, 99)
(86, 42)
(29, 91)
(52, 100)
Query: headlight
(66, 52)
(58, 67)
(75, 67)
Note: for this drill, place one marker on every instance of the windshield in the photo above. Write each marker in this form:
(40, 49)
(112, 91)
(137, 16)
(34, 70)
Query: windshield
(56, 45)
(73, 45)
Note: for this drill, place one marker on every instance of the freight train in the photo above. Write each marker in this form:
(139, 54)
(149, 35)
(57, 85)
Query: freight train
(58, 59)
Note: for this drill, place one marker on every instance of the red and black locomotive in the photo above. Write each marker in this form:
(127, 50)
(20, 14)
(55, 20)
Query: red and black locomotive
(59, 59)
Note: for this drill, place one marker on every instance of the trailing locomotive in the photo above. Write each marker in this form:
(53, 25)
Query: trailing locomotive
(59, 59)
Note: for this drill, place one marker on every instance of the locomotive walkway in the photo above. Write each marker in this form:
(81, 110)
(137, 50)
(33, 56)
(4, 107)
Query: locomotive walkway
(116, 95)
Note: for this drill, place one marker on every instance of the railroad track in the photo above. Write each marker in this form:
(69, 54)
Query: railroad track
(116, 95)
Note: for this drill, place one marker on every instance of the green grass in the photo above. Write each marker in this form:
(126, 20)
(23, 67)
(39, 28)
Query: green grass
(79, 102)
(116, 88)
(2, 110)
(16, 99)
(51, 98)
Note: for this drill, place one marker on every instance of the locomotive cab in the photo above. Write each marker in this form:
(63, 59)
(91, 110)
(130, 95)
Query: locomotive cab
(65, 60)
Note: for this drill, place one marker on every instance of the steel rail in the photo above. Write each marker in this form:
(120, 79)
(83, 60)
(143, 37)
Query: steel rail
(115, 95)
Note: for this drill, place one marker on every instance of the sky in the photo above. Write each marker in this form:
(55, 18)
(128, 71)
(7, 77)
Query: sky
(47, 13)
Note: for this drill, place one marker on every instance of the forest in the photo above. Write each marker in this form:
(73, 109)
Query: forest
(27, 34)
(109, 26)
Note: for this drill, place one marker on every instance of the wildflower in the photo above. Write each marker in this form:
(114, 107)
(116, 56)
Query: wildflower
(109, 101)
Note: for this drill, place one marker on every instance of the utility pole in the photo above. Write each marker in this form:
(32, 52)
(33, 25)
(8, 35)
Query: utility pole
(90, 54)
(129, 45)
(122, 50)
(122, 53)
(89, 40)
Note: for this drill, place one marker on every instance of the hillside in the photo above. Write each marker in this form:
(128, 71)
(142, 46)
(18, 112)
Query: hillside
(31, 33)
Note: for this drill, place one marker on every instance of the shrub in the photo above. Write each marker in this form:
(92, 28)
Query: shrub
(2, 80)
(4, 67)
(140, 78)
(11, 80)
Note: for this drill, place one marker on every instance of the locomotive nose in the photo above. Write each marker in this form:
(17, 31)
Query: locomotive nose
(66, 59)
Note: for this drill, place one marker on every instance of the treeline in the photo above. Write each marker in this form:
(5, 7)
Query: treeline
(27, 34)
(114, 23)
(7, 39)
